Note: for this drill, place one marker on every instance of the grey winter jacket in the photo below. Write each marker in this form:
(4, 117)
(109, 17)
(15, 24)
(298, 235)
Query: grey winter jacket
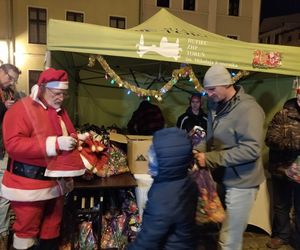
(234, 141)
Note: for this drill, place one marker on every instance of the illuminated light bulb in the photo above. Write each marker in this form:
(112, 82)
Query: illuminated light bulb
(128, 92)
(106, 76)
(163, 91)
(148, 98)
(112, 81)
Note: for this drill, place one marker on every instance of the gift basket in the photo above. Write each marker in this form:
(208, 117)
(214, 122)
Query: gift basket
(209, 206)
(102, 157)
(120, 223)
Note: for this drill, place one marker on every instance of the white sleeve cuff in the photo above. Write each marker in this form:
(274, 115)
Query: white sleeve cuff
(50, 146)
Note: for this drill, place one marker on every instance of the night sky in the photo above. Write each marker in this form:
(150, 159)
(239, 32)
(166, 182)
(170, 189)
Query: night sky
(270, 8)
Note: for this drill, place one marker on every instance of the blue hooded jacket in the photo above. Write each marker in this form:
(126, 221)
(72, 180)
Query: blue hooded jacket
(169, 215)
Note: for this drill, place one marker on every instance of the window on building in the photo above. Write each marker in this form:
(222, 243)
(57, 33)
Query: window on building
(268, 39)
(163, 3)
(189, 4)
(74, 16)
(233, 37)
(289, 38)
(117, 22)
(37, 25)
(33, 76)
(234, 7)
(276, 41)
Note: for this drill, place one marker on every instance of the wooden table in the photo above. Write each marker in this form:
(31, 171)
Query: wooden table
(125, 180)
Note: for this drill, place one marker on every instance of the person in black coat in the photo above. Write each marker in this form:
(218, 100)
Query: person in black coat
(147, 119)
(193, 116)
(283, 140)
(169, 216)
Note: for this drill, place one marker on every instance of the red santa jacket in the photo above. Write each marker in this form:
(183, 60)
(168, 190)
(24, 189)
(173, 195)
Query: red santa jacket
(26, 127)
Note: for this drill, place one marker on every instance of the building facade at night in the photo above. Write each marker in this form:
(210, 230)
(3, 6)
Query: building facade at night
(23, 23)
(283, 30)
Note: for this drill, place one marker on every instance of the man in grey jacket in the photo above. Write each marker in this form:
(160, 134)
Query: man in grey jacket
(234, 142)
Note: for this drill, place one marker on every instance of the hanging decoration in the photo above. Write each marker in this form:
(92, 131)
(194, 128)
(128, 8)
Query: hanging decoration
(185, 72)
(265, 60)
(296, 83)
(240, 75)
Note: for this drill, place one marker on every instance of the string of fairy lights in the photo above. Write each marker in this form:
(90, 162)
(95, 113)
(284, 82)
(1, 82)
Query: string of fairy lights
(185, 72)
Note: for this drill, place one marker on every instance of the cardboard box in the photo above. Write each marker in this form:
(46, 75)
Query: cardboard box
(137, 151)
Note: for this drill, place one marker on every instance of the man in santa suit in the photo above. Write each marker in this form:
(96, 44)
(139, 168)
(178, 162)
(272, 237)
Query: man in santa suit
(42, 145)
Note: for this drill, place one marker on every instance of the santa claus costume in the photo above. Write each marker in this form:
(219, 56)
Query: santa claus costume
(42, 162)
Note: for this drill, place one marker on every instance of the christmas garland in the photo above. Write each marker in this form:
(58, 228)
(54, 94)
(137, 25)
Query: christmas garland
(177, 74)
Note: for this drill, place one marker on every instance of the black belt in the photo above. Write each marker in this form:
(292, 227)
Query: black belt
(28, 171)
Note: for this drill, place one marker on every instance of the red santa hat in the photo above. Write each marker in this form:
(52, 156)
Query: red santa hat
(50, 78)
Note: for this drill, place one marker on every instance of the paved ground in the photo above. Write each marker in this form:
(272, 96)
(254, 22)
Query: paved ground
(254, 239)
(258, 241)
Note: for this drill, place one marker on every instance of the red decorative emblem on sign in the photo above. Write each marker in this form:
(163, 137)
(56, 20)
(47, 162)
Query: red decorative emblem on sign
(263, 59)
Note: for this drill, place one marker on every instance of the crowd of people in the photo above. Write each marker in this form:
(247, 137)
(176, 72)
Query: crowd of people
(9, 75)
(42, 160)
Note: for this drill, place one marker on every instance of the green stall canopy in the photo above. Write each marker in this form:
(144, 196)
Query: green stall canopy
(165, 37)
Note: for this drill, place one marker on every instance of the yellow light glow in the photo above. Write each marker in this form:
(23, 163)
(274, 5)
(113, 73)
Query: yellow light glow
(3, 51)
(19, 55)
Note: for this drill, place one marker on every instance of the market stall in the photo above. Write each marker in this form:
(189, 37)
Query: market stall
(146, 56)
(111, 68)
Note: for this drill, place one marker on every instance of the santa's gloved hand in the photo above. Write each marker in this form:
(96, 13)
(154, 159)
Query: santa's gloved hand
(83, 137)
(66, 143)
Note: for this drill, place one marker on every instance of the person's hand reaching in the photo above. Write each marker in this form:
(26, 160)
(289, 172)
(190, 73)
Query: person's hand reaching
(200, 158)
(9, 103)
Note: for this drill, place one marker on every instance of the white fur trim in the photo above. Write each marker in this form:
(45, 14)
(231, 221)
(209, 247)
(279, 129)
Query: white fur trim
(50, 146)
(34, 92)
(41, 103)
(64, 173)
(23, 243)
(57, 85)
(86, 163)
(15, 194)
